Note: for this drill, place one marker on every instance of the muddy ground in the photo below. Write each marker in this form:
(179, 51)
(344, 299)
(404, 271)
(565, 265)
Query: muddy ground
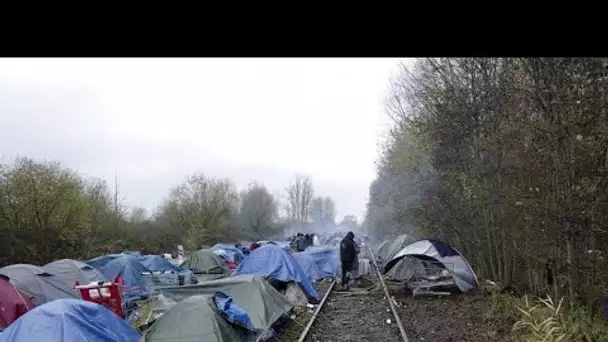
(461, 318)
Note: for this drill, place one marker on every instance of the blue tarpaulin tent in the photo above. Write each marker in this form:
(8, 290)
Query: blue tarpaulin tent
(307, 263)
(158, 263)
(70, 320)
(100, 261)
(327, 260)
(128, 267)
(234, 253)
(273, 261)
(232, 312)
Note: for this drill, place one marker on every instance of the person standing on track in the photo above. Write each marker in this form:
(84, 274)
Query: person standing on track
(348, 256)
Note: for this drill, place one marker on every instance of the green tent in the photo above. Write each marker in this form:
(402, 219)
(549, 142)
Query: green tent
(263, 303)
(194, 319)
(204, 261)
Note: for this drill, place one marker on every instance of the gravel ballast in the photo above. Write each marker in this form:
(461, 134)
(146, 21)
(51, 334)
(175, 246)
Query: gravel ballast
(355, 318)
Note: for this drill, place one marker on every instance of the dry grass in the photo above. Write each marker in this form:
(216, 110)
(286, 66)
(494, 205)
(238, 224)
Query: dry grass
(544, 320)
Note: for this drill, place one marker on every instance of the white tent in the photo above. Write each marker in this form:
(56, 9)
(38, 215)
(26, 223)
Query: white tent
(460, 270)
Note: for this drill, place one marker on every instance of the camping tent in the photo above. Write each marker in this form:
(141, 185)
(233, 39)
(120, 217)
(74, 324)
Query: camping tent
(395, 246)
(307, 263)
(236, 254)
(12, 303)
(275, 262)
(195, 318)
(157, 263)
(128, 267)
(382, 249)
(74, 270)
(439, 253)
(70, 320)
(252, 293)
(37, 283)
(409, 267)
(100, 261)
(162, 271)
(204, 261)
(327, 260)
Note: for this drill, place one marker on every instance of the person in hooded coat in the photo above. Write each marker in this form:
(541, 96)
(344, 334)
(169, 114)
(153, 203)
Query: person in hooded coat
(301, 243)
(308, 240)
(348, 257)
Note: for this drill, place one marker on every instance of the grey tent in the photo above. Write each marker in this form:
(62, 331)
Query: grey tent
(204, 261)
(35, 282)
(395, 246)
(409, 267)
(194, 319)
(446, 261)
(74, 270)
(253, 293)
(382, 250)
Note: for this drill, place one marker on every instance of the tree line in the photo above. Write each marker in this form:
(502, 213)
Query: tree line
(48, 212)
(507, 159)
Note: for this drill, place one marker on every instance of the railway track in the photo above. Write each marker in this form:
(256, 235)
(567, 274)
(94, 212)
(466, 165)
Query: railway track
(355, 316)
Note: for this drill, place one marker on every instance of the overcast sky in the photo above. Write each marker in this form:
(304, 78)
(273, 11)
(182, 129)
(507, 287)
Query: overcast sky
(156, 121)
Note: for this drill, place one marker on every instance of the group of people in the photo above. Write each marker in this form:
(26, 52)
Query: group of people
(302, 241)
(349, 253)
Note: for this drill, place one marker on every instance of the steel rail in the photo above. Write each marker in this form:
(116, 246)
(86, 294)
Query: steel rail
(386, 294)
(314, 316)
(388, 297)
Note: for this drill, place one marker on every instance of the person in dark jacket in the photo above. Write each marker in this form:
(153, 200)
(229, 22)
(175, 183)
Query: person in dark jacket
(301, 243)
(348, 256)
(308, 238)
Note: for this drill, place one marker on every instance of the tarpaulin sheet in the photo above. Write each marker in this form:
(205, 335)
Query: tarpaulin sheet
(232, 312)
(236, 254)
(204, 261)
(70, 320)
(194, 319)
(274, 261)
(100, 261)
(327, 260)
(308, 265)
(128, 267)
(252, 293)
(158, 263)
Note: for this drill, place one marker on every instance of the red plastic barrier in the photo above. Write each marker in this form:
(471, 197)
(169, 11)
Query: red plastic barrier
(107, 294)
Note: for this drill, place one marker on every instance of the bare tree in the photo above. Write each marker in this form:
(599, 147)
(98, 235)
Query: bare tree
(299, 195)
(322, 211)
